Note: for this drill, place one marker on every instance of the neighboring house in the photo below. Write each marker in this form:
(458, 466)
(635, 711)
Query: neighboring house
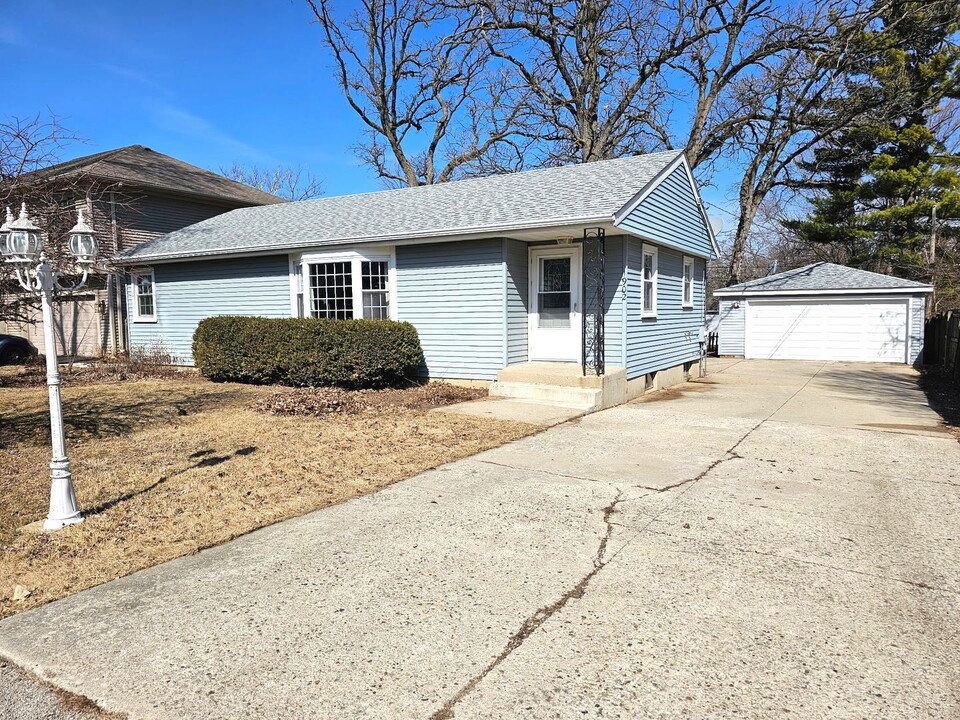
(133, 194)
(491, 272)
(824, 311)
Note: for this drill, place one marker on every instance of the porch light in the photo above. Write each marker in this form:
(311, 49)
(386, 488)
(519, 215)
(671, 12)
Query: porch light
(23, 239)
(83, 245)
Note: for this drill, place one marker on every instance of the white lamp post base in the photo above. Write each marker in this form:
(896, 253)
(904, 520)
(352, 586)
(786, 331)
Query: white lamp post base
(56, 524)
(63, 502)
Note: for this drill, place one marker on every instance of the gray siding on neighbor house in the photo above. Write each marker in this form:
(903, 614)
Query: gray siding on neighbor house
(453, 293)
(517, 268)
(731, 333)
(670, 215)
(917, 320)
(673, 336)
(188, 292)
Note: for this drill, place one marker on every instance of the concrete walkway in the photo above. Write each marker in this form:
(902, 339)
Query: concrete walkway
(778, 538)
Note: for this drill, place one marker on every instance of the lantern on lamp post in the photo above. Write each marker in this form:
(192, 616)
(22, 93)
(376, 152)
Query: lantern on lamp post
(21, 246)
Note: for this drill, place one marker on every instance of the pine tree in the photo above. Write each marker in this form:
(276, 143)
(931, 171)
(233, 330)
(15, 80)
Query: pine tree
(875, 186)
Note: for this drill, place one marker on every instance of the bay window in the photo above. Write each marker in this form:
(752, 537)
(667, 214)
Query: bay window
(346, 286)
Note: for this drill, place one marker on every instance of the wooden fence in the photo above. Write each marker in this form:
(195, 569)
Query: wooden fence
(941, 343)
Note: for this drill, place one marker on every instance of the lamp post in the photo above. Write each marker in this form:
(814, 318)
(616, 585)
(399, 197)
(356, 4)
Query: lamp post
(21, 247)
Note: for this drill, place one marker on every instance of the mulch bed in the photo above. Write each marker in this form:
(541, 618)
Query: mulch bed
(321, 401)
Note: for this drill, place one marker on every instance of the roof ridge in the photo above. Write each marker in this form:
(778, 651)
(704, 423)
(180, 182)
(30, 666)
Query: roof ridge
(494, 176)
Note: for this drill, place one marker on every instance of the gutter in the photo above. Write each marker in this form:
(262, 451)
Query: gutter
(738, 294)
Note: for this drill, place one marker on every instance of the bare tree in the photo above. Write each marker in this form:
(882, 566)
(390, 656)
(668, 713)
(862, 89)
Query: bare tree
(945, 123)
(749, 37)
(588, 68)
(420, 84)
(27, 146)
(290, 183)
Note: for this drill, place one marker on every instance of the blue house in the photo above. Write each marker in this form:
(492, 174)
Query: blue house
(582, 284)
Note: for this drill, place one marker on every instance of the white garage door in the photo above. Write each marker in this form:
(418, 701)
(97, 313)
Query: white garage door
(855, 330)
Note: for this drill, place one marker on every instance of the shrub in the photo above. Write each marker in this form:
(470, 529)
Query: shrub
(308, 352)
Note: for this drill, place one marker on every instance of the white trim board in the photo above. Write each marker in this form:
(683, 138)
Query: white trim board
(741, 295)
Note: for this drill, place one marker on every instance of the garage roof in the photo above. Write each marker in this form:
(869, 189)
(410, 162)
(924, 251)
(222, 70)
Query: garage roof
(823, 278)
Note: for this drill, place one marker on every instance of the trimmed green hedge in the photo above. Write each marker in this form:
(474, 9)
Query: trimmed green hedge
(307, 353)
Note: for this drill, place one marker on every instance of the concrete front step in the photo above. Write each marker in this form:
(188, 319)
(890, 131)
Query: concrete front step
(562, 384)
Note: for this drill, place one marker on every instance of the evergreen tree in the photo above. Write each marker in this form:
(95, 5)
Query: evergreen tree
(876, 185)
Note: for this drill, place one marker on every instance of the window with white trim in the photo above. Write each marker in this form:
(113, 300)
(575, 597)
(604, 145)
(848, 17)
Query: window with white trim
(144, 296)
(649, 285)
(374, 281)
(345, 287)
(331, 290)
(687, 282)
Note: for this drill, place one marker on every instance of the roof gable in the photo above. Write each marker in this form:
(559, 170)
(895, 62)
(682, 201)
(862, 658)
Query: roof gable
(669, 212)
(585, 194)
(139, 166)
(823, 276)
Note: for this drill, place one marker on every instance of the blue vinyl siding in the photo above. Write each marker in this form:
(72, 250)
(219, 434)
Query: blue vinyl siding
(730, 340)
(614, 290)
(670, 215)
(453, 293)
(673, 336)
(188, 292)
(517, 269)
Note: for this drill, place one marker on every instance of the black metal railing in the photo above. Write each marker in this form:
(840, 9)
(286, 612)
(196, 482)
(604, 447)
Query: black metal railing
(594, 252)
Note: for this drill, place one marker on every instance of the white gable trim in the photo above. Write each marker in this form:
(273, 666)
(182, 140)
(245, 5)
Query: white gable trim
(635, 201)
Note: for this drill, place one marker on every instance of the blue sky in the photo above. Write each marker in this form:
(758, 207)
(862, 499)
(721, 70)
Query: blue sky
(210, 82)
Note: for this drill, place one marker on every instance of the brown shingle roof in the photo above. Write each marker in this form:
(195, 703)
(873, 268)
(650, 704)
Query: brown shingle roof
(142, 167)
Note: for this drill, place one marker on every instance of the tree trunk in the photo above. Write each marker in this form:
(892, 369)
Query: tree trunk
(748, 211)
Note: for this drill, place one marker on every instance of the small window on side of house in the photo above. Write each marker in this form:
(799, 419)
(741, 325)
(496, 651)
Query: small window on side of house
(649, 290)
(688, 282)
(374, 289)
(144, 296)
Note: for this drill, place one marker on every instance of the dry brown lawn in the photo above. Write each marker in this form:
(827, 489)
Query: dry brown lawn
(164, 468)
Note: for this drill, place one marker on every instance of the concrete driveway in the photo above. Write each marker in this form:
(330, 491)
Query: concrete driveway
(781, 539)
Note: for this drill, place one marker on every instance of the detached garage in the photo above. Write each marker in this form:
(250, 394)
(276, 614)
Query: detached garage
(824, 312)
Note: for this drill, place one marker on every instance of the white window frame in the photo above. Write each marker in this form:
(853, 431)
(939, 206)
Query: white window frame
(300, 284)
(688, 262)
(135, 276)
(651, 251)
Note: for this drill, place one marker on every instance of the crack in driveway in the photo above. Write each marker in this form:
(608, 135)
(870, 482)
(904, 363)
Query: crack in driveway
(531, 624)
(535, 621)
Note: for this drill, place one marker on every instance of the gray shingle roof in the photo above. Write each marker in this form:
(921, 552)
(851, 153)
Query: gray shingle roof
(822, 276)
(145, 168)
(533, 199)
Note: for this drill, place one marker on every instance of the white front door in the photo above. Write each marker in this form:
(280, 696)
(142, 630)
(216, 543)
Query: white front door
(555, 328)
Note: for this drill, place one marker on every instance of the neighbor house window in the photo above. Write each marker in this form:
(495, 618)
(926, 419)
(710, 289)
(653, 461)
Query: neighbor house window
(688, 282)
(144, 296)
(649, 281)
(347, 287)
